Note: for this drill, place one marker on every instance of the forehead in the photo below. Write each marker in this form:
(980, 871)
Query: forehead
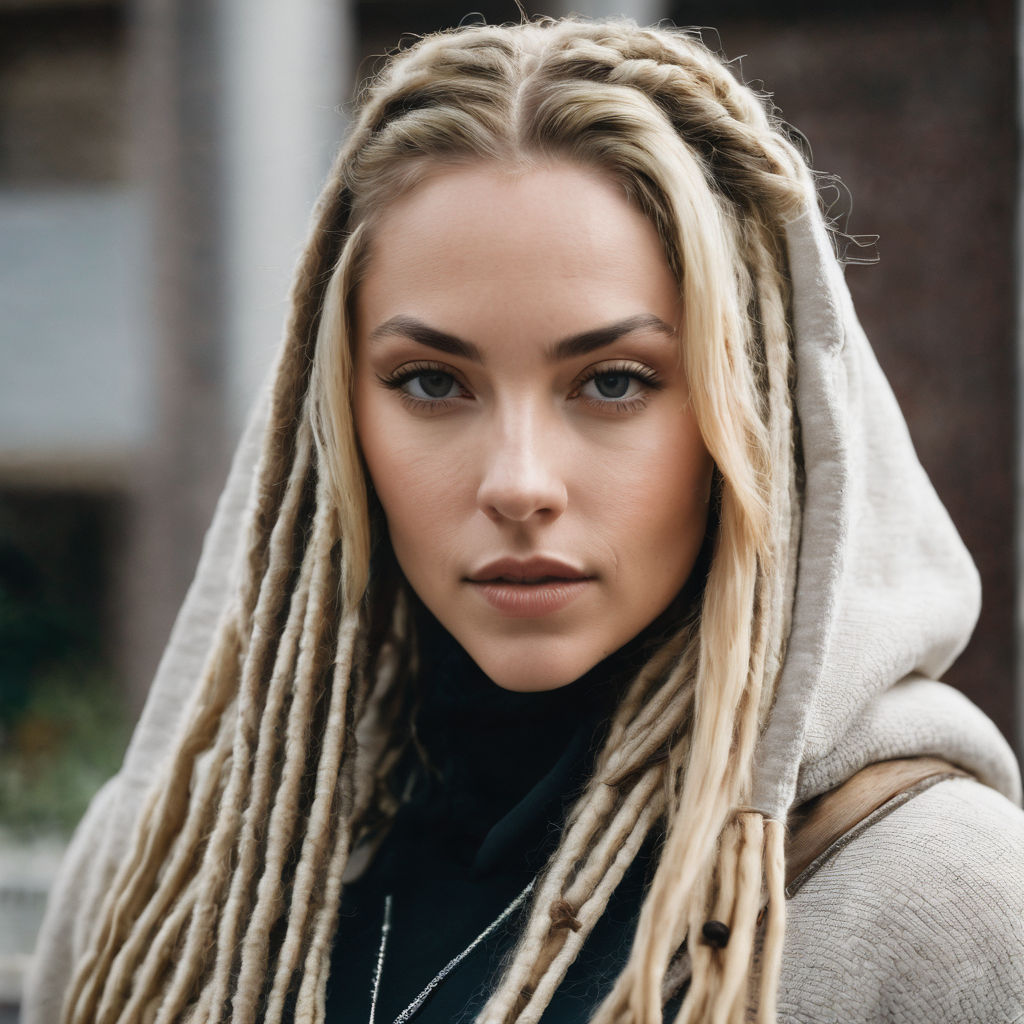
(547, 243)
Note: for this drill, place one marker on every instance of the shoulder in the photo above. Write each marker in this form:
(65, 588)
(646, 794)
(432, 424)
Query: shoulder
(920, 918)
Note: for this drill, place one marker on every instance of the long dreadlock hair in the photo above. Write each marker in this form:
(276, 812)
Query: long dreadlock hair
(225, 906)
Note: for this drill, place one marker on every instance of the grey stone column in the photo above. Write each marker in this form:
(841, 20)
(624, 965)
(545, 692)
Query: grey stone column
(288, 69)
(235, 117)
(176, 96)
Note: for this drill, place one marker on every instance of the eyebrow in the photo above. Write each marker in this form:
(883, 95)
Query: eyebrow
(589, 341)
(568, 348)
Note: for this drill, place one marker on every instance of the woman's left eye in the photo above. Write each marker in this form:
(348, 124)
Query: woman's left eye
(618, 385)
(611, 386)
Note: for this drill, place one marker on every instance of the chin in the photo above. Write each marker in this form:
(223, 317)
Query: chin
(534, 667)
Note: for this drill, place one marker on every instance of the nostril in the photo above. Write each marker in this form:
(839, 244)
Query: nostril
(518, 508)
(521, 503)
(523, 476)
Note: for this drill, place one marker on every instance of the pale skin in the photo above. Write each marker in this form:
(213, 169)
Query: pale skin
(524, 415)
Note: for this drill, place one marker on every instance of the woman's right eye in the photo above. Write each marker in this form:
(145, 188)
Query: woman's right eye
(431, 386)
(425, 386)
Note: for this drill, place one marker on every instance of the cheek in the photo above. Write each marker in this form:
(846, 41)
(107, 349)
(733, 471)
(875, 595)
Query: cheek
(661, 507)
(417, 482)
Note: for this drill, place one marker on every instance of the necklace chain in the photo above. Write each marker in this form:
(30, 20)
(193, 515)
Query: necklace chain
(385, 931)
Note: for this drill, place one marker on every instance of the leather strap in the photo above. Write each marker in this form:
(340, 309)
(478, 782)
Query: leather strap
(820, 827)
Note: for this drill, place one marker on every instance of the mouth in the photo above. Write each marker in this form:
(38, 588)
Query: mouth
(529, 588)
(531, 572)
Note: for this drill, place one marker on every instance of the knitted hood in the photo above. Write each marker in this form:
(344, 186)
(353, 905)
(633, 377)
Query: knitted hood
(886, 593)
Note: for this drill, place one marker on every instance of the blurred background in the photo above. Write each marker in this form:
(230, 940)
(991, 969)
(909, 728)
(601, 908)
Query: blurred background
(158, 161)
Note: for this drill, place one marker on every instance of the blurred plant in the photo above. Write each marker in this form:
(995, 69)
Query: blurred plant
(68, 737)
(62, 723)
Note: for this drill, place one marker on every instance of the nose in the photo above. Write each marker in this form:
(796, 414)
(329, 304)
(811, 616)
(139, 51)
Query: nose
(521, 480)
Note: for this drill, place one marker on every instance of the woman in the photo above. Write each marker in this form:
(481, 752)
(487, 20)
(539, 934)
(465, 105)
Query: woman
(572, 401)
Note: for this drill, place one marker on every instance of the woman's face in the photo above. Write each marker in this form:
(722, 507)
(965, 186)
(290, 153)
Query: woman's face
(524, 416)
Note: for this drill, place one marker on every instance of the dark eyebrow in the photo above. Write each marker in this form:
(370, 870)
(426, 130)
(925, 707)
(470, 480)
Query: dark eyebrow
(410, 327)
(568, 348)
(588, 341)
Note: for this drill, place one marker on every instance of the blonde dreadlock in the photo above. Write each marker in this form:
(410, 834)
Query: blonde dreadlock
(225, 906)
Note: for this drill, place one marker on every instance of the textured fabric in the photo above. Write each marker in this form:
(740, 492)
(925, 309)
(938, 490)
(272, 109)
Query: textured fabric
(905, 923)
(919, 918)
(886, 592)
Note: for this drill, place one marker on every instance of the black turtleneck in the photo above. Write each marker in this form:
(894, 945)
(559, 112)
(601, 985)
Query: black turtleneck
(485, 808)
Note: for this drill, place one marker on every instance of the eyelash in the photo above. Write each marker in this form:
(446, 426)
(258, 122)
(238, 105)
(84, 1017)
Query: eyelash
(397, 380)
(646, 376)
(636, 371)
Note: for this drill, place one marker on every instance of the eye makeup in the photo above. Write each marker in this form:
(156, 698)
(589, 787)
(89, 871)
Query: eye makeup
(425, 385)
(617, 387)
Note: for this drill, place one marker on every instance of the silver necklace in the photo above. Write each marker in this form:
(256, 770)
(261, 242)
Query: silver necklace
(385, 930)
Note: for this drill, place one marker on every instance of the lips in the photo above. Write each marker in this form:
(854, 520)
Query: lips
(530, 588)
(527, 571)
